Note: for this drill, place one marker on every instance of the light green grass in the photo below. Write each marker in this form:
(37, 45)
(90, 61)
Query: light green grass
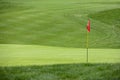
(14, 55)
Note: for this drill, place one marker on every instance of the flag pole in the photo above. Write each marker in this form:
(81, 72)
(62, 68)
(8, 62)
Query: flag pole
(88, 30)
(87, 48)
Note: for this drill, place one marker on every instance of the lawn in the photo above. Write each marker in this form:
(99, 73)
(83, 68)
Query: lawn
(60, 23)
(46, 40)
(21, 55)
(62, 72)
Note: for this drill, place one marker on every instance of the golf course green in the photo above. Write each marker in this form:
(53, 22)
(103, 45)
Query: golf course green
(13, 55)
(46, 40)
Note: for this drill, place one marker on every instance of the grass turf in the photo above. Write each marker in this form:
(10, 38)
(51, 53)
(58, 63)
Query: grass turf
(18, 55)
(60, 23)
(62, 72)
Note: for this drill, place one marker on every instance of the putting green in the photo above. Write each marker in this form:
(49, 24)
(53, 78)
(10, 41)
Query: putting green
(13, 55)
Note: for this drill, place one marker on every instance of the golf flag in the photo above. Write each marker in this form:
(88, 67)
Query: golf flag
(88, 30)
(88, 26)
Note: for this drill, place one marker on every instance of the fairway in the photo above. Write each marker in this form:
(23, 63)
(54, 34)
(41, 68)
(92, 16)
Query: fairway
(21, 55)
(60, 23)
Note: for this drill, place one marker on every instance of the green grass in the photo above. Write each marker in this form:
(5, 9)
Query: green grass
(51, 34)
(62, 72)
(61, 23)
(20, 55)
(34, 62)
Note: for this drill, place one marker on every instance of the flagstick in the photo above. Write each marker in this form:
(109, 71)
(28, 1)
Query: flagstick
(87, 48)
(88, 30)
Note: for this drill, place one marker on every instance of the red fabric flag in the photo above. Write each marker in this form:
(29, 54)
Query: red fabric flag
(88, 26)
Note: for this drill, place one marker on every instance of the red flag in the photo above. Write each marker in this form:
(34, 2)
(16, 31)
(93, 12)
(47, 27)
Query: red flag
(88, 26)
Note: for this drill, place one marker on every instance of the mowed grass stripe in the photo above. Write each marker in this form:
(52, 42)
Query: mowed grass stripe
(13, 55)
(45, 29)
(55, 11)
